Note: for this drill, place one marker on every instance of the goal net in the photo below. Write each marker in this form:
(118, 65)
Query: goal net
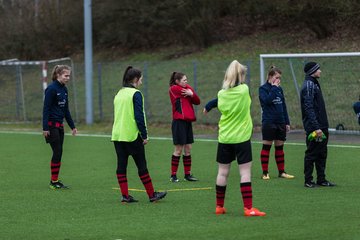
(22, 85)
(340, 84)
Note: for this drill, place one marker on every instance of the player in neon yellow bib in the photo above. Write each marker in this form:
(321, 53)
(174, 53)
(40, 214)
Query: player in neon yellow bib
(235, 125)
(124, 115)
(129, 134)
(235, 128)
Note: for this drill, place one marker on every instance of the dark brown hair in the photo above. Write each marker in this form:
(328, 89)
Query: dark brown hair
(175, 76)
(130, 74)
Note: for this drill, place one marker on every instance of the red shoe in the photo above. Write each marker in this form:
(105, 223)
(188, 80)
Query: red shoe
(220, 210)
(253, 212)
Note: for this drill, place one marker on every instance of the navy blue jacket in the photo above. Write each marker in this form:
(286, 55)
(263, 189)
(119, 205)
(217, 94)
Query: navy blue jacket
(139, 114)
(313, 106)
(211, 104)
(56, 105)
(273, 105)
(356, 107)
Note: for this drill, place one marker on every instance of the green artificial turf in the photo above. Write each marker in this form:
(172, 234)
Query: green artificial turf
(91, 209)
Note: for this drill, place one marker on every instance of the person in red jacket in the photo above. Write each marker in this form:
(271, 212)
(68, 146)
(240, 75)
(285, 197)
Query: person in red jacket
(182, 97)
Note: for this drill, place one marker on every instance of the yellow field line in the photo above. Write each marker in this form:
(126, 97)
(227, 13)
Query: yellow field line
(171, 190)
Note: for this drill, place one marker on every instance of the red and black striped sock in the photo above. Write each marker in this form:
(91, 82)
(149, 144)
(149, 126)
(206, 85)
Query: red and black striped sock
(280, 158)
(123, 184)
(187, 164)
(246, 192)
(55, 169)
(220, 195)
(264, 157)
(174, 164)
(146, 180)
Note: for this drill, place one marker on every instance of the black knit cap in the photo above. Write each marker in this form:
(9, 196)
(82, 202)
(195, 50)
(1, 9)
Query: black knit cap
(311, 67)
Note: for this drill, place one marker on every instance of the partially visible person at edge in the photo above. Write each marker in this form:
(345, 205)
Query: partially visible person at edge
(129, 135)
(182, 97)
(315, 121)
(275, 123)
(56, 108)
(235, 130)
(356, 107)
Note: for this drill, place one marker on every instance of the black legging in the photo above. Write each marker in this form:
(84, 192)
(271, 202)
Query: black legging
(136, 150)
(56, 141)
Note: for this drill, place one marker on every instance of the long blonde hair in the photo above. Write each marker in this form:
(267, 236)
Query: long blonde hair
(234, 75)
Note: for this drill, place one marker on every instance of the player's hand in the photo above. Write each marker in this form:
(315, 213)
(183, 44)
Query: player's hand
(319, 133)
(46, 133)
(145, 141)
(187, 92)
(276, 82)
(74, 132)
(205, 112)
(287, 128)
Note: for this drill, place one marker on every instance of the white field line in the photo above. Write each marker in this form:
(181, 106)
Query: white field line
(170, 139)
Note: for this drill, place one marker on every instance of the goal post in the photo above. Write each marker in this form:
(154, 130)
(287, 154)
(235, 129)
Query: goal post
(300, 55)
(20, 98)
(340, 82)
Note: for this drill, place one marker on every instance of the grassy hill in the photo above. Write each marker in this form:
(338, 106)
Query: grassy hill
(211, 64)
(248, 47)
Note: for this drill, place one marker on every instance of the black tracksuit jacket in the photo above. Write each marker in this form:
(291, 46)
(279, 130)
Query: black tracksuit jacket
(313, 106)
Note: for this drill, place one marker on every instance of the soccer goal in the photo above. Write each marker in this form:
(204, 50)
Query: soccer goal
(340, 83)
(22, 86)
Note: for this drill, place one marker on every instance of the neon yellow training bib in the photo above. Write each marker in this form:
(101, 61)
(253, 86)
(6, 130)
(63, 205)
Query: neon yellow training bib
(235, 125)
(124, 127)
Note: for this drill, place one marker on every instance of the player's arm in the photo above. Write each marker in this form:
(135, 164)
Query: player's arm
(210, 105)
(176, 91)
(140, 116)
(266, 97)
(69, 119)
(194, 98)
(48, 101)
(308, 96)
(286, 115)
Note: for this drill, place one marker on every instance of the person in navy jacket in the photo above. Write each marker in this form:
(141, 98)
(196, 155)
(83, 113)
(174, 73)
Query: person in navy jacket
(56, 108)
(275, 123)
(315, 120)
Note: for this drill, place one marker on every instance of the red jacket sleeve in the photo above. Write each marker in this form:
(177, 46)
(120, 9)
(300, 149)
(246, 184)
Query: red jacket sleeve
(195, 98)
(175, 91)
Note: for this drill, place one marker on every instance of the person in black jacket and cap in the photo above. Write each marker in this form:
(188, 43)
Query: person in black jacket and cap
(316, 125)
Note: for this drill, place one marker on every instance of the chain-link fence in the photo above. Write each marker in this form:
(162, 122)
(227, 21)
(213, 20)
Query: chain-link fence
(21, 94)
(205, 77)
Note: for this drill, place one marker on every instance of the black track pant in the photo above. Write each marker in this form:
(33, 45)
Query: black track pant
(316, 153)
